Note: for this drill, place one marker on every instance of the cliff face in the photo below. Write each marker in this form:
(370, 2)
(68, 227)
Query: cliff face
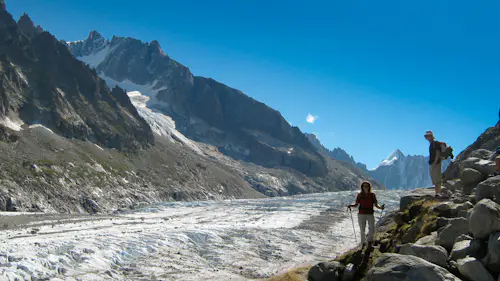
(42, 83)
(203, 109)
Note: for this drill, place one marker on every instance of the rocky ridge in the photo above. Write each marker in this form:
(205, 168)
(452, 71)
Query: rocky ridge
(451, 238)
(203, 109)
(71, 144)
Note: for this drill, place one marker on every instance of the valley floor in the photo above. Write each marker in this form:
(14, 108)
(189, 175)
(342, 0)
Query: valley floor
(213, 240)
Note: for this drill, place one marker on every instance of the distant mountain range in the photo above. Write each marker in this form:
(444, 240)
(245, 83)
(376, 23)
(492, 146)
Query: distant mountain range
(397, 171)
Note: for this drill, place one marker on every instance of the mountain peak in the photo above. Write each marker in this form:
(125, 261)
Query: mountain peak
(27, 26)
(2, 6)
(157, 47)
(94, 35)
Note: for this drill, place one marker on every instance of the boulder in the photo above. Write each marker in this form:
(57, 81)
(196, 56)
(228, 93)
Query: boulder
(433, 254)
(428, 240)
(473, 270)
(490, 189)
(415, 195)
(484, 154)
(464, 206)
(493, 257)
(349, 272)
(395, 267)
(484, 219)
(448, 234)
(443, 209)
(463, 214)
(460, 250)
(454, 185)
(478, 248)
(463, 237)
(442, 222)
(90, 205)
(485, 167)
(400, 218)
(471, 177)
(325, 271)
(412, 233)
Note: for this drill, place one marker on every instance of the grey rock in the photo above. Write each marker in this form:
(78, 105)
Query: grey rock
(349, 272)
(481, 154)
(416, 195)
(490, 189)
(428, 240)
(478, 249)
(484, 219)
(90, 205)
(433, 254)
(471, 176)
(442, 222)
(463, 214)
(12, 204)
(444, 208)
(400, 218)
(460, 250)
(485, 167)
(454, 185)
(473, 270)
(493, 257)
(448, 234)
(394, 267)
(412, 233)
(463, 237)
(325, 271)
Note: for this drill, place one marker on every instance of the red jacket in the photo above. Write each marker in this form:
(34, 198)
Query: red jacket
(366, 203)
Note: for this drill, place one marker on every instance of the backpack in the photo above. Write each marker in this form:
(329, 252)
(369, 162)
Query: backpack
(446, 151)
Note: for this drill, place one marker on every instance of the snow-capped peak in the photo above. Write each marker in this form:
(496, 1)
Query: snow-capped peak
(393, 157)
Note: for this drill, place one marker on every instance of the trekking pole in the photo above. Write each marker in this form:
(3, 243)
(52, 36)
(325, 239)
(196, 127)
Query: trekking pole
(353, 228)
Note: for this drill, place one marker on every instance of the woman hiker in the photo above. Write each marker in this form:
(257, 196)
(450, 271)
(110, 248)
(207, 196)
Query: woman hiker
(366, 200)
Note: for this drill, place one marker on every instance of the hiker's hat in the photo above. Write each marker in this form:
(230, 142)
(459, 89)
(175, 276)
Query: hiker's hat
(429, 133)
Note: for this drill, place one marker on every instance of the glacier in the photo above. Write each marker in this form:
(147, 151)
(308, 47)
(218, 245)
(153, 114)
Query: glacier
(212, 240)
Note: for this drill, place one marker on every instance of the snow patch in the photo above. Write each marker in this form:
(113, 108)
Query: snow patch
(14, 125)
(95, 59)
(34, 126)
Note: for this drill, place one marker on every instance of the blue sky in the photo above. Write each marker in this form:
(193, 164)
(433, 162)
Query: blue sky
(376, 74)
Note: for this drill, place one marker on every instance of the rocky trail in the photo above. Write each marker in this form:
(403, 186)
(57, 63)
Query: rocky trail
(455, 237)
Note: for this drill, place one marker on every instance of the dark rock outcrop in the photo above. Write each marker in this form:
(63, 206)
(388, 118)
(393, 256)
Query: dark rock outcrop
(489, 140)
(42, 83)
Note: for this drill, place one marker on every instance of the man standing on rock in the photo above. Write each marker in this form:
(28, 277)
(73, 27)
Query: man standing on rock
(434, 161)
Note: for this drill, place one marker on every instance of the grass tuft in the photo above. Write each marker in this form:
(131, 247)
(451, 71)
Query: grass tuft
(298, 274)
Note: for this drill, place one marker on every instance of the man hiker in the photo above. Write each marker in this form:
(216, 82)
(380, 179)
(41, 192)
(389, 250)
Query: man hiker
(434, 161)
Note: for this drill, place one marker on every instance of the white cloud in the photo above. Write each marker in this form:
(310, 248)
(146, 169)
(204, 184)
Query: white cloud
(311, 118)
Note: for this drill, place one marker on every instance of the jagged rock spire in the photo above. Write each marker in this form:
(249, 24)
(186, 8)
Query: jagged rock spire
(156, 47)
(94, 35)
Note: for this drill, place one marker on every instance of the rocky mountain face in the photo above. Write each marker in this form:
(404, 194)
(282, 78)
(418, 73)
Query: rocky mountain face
(337, 153)
(482, 148)
(42, 83)
(399, 171)
(69, 143)
(204, 110)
